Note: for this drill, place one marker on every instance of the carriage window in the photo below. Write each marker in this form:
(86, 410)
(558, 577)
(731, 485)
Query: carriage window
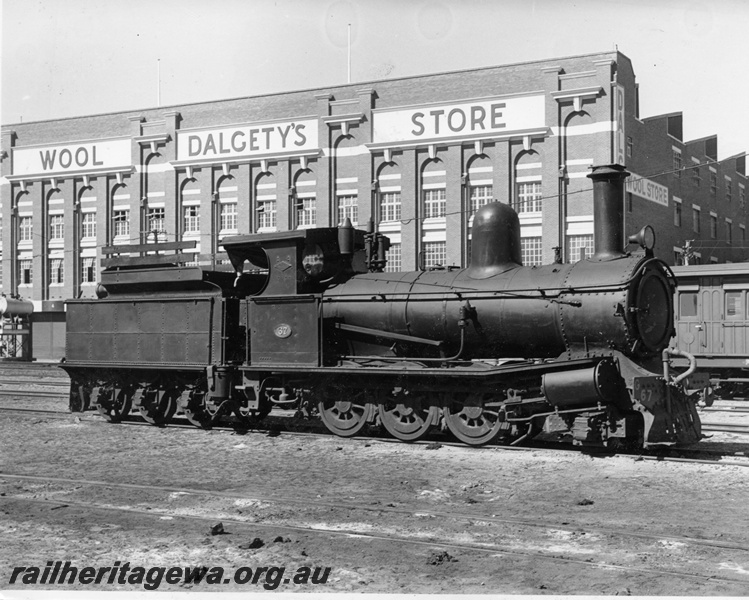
(688, 304)
(733, 305)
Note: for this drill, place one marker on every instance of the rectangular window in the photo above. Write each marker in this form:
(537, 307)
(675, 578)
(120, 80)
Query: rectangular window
(677, 163)
(56, 275)
(729, 233)
(529, 197)
(579, 247)
(229, 217)
(677, 258)
(696, 220)
(713, 182)
(155, 223)
(191, 220)
(25, 229)
(743, 234)
(434, 254)
(742, 197)
(677, 214)
(713, 226)
(56, 227)
(434, 203)
(390, 206)
(393, 258)
(480, 195)
(88, 225)
(266, 214)
(630, 145)
(688, 304)
(531, 251)
(24, 271)
(696, 177)
(348, 207)
(88, 270)
(306, 212)
(729, 190)
(733, 305)
(121, 220)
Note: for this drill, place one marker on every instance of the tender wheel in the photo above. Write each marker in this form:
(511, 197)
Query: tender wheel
(158, 406)
(194, 409)
(407, 417)
(346, 417)
(114, 404)
(472, 422)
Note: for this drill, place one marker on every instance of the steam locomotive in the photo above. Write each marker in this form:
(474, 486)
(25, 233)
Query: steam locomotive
(309, 321)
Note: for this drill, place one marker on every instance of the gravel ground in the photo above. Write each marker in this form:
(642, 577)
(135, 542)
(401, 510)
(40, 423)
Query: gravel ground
(385, 517)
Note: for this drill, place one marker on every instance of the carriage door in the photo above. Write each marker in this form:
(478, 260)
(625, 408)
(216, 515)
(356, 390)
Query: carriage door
(711, 328)
(735, 322)
(689, 322)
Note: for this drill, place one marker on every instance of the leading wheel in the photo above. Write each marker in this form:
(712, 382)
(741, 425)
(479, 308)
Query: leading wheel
(471, 421)
(408, 417)
(346, 413)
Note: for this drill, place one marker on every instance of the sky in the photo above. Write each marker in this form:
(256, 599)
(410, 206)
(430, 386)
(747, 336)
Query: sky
(79, 57)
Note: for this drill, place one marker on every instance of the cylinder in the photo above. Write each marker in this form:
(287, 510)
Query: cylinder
(582, 387)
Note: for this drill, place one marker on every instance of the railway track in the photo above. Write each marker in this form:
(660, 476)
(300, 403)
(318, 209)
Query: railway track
(706, 426)
(89, 489)
(312, 429)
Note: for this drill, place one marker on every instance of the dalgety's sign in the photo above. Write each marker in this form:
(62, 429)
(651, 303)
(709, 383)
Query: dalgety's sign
(644, 188)
(240, 141)
(470, 118)
(79, 157)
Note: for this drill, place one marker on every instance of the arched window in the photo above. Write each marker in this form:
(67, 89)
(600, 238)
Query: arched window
(528, 204)
(266, 199)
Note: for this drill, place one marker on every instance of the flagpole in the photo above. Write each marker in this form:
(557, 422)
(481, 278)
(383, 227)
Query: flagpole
(158, 82)
(349, 53)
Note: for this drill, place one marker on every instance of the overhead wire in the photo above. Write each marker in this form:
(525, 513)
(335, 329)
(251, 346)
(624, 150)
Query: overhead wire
(469, 212)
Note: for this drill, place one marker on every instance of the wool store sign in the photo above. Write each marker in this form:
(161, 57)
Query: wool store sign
(644, 188)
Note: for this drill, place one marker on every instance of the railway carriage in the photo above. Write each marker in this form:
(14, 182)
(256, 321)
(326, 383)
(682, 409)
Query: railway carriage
(308, 320)
(712, 322)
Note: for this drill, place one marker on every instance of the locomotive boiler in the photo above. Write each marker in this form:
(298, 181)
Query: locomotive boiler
(493, 351)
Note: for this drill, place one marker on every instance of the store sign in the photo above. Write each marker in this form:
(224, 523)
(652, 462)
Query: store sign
(471, 118)
(644, 188)
(100, 155)
(241, 141)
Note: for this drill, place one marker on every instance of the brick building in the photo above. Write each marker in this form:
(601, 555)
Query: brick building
(417, 155)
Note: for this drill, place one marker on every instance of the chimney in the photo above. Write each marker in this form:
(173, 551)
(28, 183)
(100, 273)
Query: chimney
(608, 211)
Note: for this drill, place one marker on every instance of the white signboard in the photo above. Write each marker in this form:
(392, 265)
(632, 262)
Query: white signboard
(644, 188)
(239, 141)
(620, 133)
(470, 118)
(98, 155)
